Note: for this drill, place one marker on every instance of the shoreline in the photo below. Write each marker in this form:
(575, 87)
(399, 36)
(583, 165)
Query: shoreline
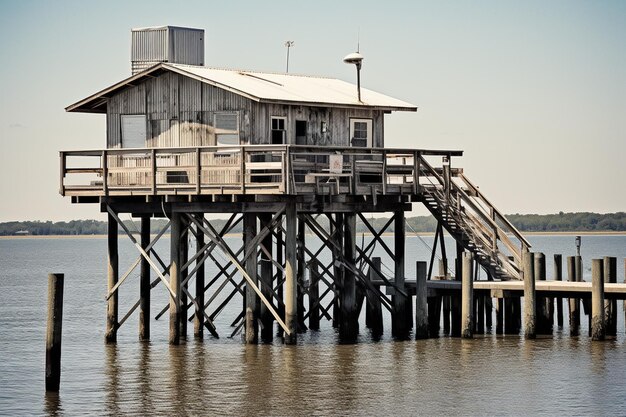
(408, 234)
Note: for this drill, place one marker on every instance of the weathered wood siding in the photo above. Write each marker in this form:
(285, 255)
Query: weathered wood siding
(337, 123)
(180, 112)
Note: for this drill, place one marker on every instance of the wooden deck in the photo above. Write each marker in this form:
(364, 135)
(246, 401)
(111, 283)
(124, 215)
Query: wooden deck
(497, 288)
(322, 179)
(249, 170)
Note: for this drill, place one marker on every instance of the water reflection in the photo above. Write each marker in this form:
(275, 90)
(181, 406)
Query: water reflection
(111, 382)
(258, 379)
(177, 391)
(144, 376)
(53, 404)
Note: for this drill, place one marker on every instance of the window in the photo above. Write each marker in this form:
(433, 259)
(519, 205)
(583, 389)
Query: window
(279, 134)
(226, 129)
(361, 132)
(133, 130)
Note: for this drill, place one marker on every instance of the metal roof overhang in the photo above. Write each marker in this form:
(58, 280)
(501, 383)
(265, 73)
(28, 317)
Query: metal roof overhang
(97, 103)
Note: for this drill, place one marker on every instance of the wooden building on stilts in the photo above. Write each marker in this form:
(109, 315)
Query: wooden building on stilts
(286, 157)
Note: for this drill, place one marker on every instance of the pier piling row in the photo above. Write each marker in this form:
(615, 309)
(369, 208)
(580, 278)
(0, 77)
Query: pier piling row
(269, 273)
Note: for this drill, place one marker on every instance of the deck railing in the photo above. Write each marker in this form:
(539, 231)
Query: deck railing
(312, 170)
(252, 169)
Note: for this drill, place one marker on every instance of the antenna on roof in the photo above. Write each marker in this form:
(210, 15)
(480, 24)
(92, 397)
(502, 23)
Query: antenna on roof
(356, 58)
(288, 44)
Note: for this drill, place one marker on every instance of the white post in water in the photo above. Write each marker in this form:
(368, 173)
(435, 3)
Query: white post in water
(467, 302)
(597, 299)
(530, 316)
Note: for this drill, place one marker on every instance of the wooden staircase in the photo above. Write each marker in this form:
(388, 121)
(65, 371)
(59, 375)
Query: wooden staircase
(473, 221)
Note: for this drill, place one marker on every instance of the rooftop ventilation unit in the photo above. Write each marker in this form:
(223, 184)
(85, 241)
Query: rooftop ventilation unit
(178, 45)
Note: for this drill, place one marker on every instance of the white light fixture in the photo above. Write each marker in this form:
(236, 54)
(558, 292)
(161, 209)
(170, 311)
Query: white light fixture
(356, 59)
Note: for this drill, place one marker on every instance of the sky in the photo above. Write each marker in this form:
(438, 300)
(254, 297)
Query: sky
(533, 92)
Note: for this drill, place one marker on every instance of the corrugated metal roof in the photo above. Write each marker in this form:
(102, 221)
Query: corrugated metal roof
(263, 87)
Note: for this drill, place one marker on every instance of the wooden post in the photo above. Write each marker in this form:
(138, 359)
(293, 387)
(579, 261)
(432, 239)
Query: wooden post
(291, 302)
(558, 276)
(184, 255)
(586, 302)
(301, 267)
(434, 314)
(529, 296)
(499, 315)
(144, 283)
(399, 324)
(509, 313)
(544, 326)
(349, 324)
(467, 303)
(455, 317)
(574, 303)
(374, 310)
(517, 314)
(597, 299)
(175, 277)
(480, 311)
(421, 301)
(488, 313)
(54, 331)
(445, 300)
(610, 306)
(198, 318)
(314, 295)
(280, 251)
(110, 335)
(337, 232)
(267, 275)
(251, 265)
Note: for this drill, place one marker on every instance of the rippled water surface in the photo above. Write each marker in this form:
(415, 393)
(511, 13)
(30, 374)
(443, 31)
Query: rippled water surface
(486, 376)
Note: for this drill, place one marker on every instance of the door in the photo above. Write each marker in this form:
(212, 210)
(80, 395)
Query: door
(301, 132)
(133, 130)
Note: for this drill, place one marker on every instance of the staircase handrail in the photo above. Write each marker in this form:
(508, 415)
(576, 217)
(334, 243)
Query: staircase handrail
(497, 212)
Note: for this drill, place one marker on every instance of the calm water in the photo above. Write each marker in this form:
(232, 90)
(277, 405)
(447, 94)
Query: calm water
(485, 376)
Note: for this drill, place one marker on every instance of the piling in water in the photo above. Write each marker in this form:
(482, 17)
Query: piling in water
(610, 306)
(558, 276)
(499, 315)
(175, 234)
(467, 320)
(198, 318)
(543, 306)
(290, 274)
(374, 312)
(110, 335)
(455, 300)
(421, 301)
(314, 295)
(530, 330)
(183, 256)
(574, 303)
(400, 326)
(434, 313)
(54, 331)
(144, 283)
(597, 300)
(252, 301)
(445, 300)
(349, 324)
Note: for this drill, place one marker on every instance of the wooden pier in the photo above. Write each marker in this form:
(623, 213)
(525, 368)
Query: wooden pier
(284, 157)
(268, 270)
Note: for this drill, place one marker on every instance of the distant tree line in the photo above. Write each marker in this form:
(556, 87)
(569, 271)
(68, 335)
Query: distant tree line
(561, 222)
